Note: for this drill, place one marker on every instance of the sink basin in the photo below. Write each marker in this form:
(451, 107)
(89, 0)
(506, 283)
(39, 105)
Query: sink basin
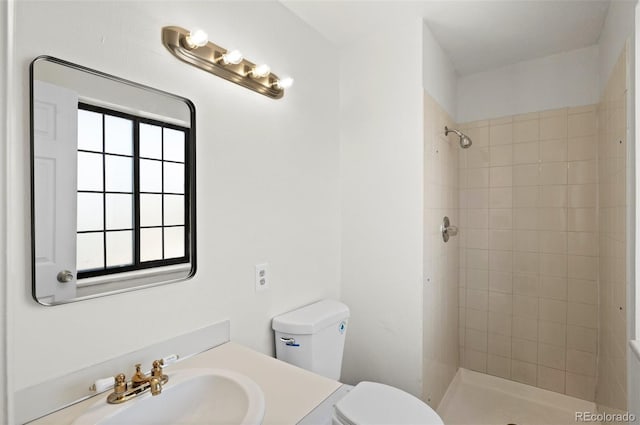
(192, 396)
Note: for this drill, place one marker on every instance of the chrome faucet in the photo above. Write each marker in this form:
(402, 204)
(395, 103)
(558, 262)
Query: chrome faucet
(139, 384)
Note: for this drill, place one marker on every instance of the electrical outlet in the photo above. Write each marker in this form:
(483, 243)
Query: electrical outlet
(262, 277)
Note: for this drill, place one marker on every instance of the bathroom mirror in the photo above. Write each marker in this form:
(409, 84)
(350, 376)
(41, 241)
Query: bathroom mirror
(112, 184)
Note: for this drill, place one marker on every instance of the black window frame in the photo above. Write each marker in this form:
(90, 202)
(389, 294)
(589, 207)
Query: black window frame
(189, 207)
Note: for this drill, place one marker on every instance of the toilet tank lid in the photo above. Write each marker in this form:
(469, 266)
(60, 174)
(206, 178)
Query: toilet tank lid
(311, 318)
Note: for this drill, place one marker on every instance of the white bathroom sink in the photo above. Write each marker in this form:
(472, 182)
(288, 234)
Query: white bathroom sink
(192, 396)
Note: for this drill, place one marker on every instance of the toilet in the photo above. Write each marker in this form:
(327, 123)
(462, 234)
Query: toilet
(312, 337)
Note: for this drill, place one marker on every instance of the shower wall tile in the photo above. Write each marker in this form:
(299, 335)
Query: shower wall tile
(530, 249)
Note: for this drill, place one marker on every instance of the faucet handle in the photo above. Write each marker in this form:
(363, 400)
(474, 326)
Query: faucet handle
(120, 384)
(156, 371)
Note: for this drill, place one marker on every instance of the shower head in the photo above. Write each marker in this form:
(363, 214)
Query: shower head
(465, 141)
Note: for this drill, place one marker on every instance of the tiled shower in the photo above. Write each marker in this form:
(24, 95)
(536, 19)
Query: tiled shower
(542, 200)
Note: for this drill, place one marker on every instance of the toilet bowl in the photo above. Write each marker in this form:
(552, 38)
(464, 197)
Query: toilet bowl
(312, 337)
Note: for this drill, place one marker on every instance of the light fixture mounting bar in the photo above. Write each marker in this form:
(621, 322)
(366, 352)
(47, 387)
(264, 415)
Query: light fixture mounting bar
(209, 58)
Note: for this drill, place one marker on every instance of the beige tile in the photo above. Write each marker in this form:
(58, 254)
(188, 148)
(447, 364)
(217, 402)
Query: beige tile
(500, 218)
(582, 172)
(501, 176)
(583, 291)
(581, 267)
(499, 366)
(525, 218)
(476, 198)
(552, 219)
(475, 360)
(477, 238)
(499, 345)
(583, 243)
(580, 386)
(553, 287)
(525, 262)
(476, 124)
(477, 177)
(475, 340)
(477, 259)
(553, 310)
(581, 362)
(582, 124)
(553, 150)
(526, 117)
(582, 219)
(478, 157)
(553, 242)
(554, 112)
(525, 197)
(501, 197)
(528, 285)
(524, 328)
(479, 135)
(582, 195)
(526, 153)
(500, 155)
(553, 127)
(501, 240)
(526, 175)
(478, 279)
(553, 173)
(524, 350)
(525, 306)
(551, 356)
(581, 338)
(526, 131)
(523, 372)
(582, 109)
(501, 134)
(582, 315)
(476, 319)
(582, 148)
(477, 218)
(551, 379)
(501, 260)
(552, 333)
(500, 323)
(477, 299)
(526, 240)
(553, 265)
(553, 196)
(500, 120)
(500, 302)
(501, 281)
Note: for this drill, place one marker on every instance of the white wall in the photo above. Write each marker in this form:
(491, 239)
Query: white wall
(618, 26)
(267, 178)
(438, 74)
(557, 81)
(381, 176)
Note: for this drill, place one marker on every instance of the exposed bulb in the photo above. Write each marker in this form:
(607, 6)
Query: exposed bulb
(260, 71)
(232, 57)
(197, 38)
(284, 83)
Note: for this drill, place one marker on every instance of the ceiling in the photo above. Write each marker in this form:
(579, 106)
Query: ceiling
(476, 35)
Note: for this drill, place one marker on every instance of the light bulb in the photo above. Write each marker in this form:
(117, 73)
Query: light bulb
(197, 38)
(233, 57)
(284, 83)
(260, 71)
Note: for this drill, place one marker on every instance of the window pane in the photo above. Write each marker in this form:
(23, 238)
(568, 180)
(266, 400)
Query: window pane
(119, 174)
(89, 171)
(174, 242)
(119, 248)
(118, 135)
(90, 212)
(173, 209)
(89, 131)
(173, 145)
(119, 211)
(150, 176)
(90, 251)
(150, 244)
(173, 177)
(150, 141)
(150, 210)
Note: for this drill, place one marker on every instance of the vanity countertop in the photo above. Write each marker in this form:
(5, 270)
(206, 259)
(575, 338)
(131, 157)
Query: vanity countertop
(290, 392)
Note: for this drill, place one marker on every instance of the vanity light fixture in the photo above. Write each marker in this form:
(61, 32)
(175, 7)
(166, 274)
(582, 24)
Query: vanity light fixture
(195, 49)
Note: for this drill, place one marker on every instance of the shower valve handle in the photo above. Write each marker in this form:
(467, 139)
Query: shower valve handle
(447, 229)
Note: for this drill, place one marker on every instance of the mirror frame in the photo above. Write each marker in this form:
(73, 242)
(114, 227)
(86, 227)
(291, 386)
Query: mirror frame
(191, 177)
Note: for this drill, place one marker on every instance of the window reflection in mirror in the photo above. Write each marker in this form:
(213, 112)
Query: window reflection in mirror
(113, 184)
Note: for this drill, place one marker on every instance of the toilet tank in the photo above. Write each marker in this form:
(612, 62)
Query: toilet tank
(312, 337)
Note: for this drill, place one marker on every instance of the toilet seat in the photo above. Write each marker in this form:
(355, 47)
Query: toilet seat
(370, 403)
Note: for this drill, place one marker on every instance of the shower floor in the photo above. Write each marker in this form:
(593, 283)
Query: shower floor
(479, 399)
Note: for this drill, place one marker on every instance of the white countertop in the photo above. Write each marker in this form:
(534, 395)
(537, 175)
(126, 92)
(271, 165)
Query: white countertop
(290, 392)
